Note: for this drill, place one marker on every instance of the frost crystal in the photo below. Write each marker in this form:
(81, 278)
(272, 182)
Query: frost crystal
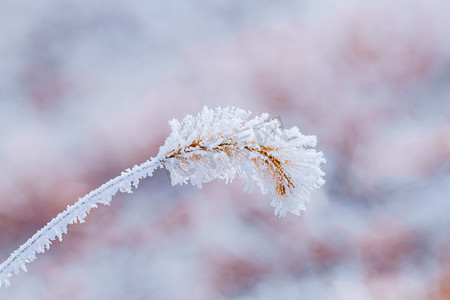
(217, 143)
(220, 143)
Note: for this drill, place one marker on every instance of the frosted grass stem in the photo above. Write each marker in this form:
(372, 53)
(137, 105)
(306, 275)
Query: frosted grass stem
(218, 143)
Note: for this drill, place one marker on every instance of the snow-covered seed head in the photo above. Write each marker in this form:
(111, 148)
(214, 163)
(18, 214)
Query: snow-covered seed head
(222, 142)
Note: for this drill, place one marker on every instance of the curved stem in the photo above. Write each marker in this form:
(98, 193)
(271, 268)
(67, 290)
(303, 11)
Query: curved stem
(79, 210)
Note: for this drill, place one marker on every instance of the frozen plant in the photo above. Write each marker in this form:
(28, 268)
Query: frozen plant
(217, 143)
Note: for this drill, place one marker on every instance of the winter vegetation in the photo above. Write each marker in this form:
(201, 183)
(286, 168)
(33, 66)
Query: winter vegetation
(217, 143)
(87, 88)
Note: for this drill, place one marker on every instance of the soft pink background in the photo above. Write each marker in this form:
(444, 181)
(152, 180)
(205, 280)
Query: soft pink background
(87, 90)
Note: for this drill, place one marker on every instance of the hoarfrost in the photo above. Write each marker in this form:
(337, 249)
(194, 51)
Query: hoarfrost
(216, 144)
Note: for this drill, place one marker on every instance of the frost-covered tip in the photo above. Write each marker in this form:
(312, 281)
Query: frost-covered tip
(223, 142)
(217, 143)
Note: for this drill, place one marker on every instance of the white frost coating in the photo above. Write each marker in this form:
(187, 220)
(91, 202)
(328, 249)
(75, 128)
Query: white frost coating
(217, 143)
(41, 240)
(220, 143)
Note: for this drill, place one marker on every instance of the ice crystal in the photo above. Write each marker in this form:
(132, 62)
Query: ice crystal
(220, 143)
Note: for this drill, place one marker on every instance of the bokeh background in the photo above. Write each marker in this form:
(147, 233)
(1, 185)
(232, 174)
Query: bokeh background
(87, 89)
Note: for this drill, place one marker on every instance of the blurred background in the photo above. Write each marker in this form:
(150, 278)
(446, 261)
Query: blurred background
(87, 89)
